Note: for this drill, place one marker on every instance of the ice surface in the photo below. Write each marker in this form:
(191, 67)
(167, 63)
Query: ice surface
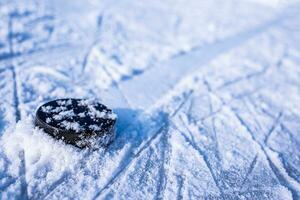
(207, 96)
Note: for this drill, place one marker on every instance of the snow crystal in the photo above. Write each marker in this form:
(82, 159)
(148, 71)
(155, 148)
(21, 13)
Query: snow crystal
(95, 127)
(59, 109)
(47, 109)
(48, 120)
(71, 126)
(86, 102)
(64, 115)
(81, 114)
(64, 102)
(94, 113)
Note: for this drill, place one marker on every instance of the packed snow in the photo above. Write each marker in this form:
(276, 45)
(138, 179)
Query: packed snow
(206, 96)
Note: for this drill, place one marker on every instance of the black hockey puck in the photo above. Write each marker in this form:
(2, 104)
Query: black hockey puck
(80, 122)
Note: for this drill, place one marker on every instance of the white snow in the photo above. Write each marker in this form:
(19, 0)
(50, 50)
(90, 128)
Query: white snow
(49, 159)
(68, 114)
(48, 120)
(64, 102)
(81, 115)
(71, 125)
(60, 109)
(206, 94)
(95, 127)
(95, 113)
(86, 102)
(47, 109)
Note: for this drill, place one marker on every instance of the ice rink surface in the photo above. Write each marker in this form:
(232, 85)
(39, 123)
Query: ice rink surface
(207, 95)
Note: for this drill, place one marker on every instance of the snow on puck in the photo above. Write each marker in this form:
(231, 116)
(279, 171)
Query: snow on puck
(81, 122)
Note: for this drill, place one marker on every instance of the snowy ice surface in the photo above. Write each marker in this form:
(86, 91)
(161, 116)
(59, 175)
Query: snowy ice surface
(207, 96)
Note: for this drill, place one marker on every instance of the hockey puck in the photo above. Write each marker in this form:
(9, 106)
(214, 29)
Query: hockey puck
(80, 122)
